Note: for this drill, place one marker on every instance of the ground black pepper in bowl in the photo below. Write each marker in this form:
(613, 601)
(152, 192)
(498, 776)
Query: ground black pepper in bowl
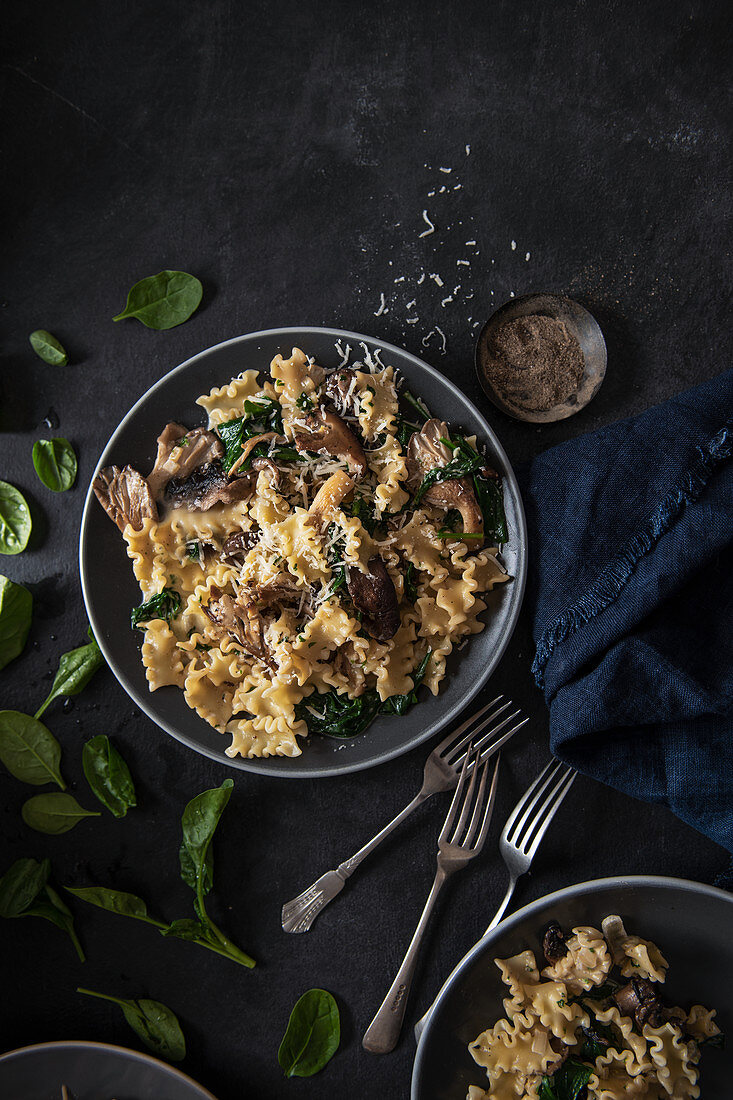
(541, 357)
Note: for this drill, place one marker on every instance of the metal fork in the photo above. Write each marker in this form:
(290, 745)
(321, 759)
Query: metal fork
(472, 806)
(442, 769)
(522, 834)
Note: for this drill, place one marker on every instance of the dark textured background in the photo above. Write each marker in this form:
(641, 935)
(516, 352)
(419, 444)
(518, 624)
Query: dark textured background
(284, 153)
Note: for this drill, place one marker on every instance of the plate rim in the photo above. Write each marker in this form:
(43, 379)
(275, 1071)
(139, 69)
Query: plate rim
(135, 1055)
(261, 765)
(687, 885)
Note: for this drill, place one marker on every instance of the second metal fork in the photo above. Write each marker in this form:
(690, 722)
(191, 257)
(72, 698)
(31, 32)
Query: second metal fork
(487, 728)
(461, 838)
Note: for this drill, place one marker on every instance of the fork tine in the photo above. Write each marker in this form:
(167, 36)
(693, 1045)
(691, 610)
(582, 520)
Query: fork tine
(527, 803)
(479, 806)
(455, 803)
(489, 808)
(558, 794)
(469, 798)
(454, 747)
(491, 748)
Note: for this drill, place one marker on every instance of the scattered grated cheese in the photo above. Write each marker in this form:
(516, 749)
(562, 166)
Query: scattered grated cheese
(344, 354)
(431, 227)
(463, 263)
(435, 332)
(471, 242)
(445, 301)
(468, 150)
(443, 188)
(431, 194)
(412, 320)
(446, 170)
(514, 246)
(526, 258)
(421, 280)
(436, 279)
(382, 306)
(458, 187)
(400, 279)
(410, 304)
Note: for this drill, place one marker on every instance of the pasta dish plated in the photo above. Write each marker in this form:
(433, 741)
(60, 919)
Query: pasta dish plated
(592, 1024)
(311, 555)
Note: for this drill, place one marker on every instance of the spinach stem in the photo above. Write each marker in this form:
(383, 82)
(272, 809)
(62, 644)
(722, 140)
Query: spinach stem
(102, 996)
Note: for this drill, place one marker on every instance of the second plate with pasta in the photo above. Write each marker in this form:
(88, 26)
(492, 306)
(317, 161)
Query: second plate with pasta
(322, 546)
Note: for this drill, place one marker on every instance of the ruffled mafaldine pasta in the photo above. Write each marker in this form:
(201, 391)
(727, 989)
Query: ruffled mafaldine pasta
(592, 1025)
(311, 555)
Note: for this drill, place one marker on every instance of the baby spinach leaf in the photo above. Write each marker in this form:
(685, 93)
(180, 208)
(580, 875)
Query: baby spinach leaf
(50, 906)
(21, 884)
(25, 892)
(399, 704)
(48, 348)
(164, 605)
(152, 1022)
(54, 813)
(312, 1035)
(334, 715)
(16, 612)
(461, 465)
(76, 669)
(115, 901)
(28, 750)
(108, 775)
(200, 819)
(15, 520)
(410, 584)
(567, 1083)
(597, 1038)
(491, 502)
(186, 928)
(55, 463)
(164, 300)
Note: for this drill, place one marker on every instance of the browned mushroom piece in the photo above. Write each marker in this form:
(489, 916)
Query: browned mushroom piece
(554, 943)
(264, 463)
(234, 620)
(424, 452)
(374, 595)
(640, 999)
(341, 392)
(236, 547)
(326, 433)
(249, 445)
(180, 452)
(206, 486)
(125, 496)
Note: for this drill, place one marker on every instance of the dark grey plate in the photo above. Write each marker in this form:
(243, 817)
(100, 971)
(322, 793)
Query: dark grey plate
(691, 924)
(110, 589)
(92, 1071)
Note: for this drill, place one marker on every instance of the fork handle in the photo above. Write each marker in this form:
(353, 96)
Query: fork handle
(384, 1031)
(349, 865)
(502, 908)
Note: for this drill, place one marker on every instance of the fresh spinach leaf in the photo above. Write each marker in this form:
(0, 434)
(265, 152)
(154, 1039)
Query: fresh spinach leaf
(15, 520)
(16, 612)
(409, 583)
(597, 1038)
(108, 775)
(312, 1035)
(360, 510)
(399, 704)
(48, 348)
(164, 300)
(418, 405)
(335, 559)
(567, 1083)
(76, 669)
(332, 715)
(21, 884)
(54, 813)
(166, 604)
(491, 502)
(199, 821)
(55, 463)
(28, 750)
(193, 549)
(713, 1041)
(115, 901)
(25, 892)
(152, 1022)
(461, 465)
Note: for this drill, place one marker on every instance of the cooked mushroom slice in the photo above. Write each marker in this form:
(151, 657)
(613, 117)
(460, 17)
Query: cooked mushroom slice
(236, 621)
(263, 463)
(236, 547)
(341, 391)
(326, 433)
(180, 452)
(554, 943)
(374, 595)
(424, 452)
(125, 496)
(207, 486)
(329, 496)
(249, 445)
(640, 999)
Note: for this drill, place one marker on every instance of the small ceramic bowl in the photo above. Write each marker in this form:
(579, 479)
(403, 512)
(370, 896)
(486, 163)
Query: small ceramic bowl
(579, 322)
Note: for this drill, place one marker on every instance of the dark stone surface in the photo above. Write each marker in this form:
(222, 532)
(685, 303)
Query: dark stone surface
(284, 153)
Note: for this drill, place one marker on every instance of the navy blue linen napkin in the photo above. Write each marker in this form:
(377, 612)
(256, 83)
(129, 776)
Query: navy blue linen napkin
(631, 590)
